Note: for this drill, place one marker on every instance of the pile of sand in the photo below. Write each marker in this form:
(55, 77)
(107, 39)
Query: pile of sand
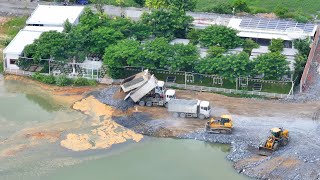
(106, 132)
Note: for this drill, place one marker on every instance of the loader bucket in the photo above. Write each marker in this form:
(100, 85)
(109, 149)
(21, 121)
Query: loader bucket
(263, 151)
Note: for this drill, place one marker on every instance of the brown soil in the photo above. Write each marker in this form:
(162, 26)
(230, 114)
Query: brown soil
(48, 135)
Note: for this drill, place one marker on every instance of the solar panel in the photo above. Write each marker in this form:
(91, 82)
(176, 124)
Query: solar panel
(274, 24)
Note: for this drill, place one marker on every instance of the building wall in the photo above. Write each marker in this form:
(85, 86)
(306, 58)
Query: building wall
(8, 58)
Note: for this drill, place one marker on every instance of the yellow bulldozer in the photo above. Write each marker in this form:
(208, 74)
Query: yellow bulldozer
(222, 125)
(279, 137)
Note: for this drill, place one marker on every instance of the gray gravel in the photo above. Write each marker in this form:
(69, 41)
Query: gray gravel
(106, 96)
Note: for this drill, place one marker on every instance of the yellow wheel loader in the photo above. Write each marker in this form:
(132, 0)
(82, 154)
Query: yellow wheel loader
(222, 125)
(279, 137)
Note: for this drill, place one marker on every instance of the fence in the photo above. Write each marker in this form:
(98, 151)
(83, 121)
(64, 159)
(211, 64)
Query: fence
(269, 88)
(18, 72)
(223, 90)
(304, 76)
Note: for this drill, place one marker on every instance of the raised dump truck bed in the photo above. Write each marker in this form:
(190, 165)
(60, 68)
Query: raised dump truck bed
(135, 81)
(143, 90)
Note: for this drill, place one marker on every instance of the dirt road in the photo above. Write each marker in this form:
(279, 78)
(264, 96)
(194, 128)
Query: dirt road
(253, 118)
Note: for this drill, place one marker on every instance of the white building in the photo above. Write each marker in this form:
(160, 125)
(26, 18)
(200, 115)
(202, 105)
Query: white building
(46, 15)
(44, 18)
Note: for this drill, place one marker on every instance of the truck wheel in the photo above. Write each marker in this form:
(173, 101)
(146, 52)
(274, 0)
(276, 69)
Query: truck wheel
(175, 114)
(201, 116)
(149, 103)
(142, 103)
(182, 115)
(275, 146)
(166, 105)
(157, 95)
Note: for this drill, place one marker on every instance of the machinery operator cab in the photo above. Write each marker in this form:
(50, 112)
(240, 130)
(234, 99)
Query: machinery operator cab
(170, 94)
(205, 108)
(160, 88)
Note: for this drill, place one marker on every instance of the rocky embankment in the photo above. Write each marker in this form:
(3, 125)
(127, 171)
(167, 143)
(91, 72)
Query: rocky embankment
(252, 121)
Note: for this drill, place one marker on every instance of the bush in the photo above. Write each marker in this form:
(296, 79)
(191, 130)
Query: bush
(221, 8)
(48, 79)
(84, 82)
(276, 45)
(216, 51)
(256, 10)
(193, 36)
(62, 80)
(1, 67)
(37, 76)
(241, 6)
(281, 11)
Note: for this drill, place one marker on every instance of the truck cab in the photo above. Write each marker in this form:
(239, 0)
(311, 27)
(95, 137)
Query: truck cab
(170, 94)
(205, 108)
(160, 89)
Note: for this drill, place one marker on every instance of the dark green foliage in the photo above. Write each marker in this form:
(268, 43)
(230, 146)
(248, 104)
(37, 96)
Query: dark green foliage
(44, 78)
(62, 80)
(303, 46)
(218, 35)
(248, 45)
(276, 45)
(272, 65)
(167, 23)
(222, 7)
(184, 57)
(281, 11)
(140, 2)
(49, 44)
(84, 82)
(101, 38)
(193, 35)
(229, 66)
(182, 5)
(216, 51)
(241, 6)
(140, 31)
(67, 26)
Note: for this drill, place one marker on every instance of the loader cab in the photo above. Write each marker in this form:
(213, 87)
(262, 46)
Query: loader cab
(205, 108)
(160, 88)
(276, 132)
(170, 94)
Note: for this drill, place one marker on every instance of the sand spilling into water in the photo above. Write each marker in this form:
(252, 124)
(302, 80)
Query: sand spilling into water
(105, 132)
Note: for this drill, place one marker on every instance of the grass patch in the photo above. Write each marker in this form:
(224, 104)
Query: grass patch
(127, 3)
(306, 6)
(12, 27)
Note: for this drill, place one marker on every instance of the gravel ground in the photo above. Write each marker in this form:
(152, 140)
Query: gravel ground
(253, 119)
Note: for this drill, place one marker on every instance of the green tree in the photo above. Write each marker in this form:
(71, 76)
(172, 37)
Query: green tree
(167, 23)
(229, 66)
(140, 31)
(67, 26)
(272, 65)
(101, 38)
(156, 54)
(193, 36)
(248, 45)
(124, 25)
(223, 7)
(281, 11)
(241, 6)
(183, 5)
(216, 51)
(303, 46)
(98, 4)
(184, 57)
(49, 44)
(299, 65)
(121, 54)
(276, 45)
(218, 35)
(156, 4)
(92, 20)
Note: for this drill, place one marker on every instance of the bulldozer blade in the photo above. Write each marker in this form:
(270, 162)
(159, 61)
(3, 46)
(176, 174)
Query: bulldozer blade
(265, 151)
(219, 131)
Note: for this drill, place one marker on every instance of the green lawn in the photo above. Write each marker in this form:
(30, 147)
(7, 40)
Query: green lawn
(306, 6)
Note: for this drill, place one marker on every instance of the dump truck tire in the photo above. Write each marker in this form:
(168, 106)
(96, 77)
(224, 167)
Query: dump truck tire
(157, 95)
(166, 105)
(275, 146)
(142, 103)
(149, 103)
(201, 116)
(175, 114)
(182, 115)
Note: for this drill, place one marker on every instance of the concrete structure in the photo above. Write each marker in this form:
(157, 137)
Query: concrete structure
(44, 18)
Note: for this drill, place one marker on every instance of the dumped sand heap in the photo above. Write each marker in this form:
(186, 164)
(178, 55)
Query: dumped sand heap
(106, 131)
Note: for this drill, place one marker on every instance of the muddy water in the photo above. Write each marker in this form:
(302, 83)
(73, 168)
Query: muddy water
(24, 108)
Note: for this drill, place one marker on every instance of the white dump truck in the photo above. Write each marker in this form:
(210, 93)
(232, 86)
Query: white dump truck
(189, 108)
(146, 90)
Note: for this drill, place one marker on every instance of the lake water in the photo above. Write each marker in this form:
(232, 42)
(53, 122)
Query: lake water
(23, 106)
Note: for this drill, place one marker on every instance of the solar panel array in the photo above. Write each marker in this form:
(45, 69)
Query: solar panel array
(272, 24)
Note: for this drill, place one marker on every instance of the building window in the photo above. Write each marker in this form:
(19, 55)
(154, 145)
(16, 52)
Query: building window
(13, 61)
